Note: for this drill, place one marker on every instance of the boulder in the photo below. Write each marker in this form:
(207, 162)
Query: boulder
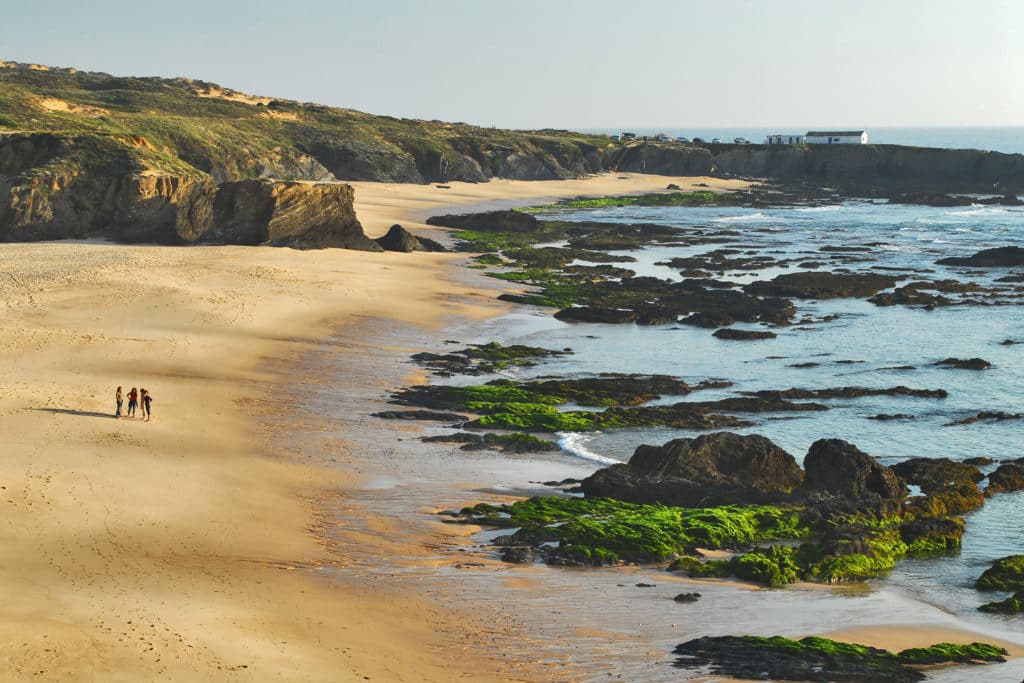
(999, 257)
(834, 467)
(295, 214)
(714, 469)
(400, 239)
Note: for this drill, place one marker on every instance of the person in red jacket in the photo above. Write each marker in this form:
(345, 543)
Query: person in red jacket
(133, 402)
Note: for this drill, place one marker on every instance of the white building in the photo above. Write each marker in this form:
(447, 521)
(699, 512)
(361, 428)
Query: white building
(777, 139)
(837, 137)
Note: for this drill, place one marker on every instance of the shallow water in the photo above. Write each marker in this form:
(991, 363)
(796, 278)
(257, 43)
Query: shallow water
(592, 624)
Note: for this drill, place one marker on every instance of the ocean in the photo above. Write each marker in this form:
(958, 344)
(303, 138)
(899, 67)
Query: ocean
(996, 139)
(866, 345)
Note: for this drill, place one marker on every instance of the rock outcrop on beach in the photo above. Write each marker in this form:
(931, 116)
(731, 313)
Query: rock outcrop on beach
(714, 469)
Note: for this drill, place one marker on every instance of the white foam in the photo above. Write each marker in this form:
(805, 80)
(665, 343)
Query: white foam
(819, 209)
(735, 219)
(976, 210)
(574, 443)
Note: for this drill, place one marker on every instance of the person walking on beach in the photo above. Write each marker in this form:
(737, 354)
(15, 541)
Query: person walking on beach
(119, 397)
(133, 402)
(142, 401)
(147, 400)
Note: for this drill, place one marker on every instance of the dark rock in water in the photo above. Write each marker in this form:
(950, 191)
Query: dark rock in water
(822, 285)
(671, 186)
(400, 239)
(979, 461)
(1005, 574)
(986, 416)
(655, 316)
(506, 443)
(1009, 342)
(494, 221)
(808, 364)
(564, 482)
(715, 469)
(709, 320)
(938, 199)
(434, 415)
(848, 392)
(910, 296)
(950, 487)
(743, 335)
(646, 585)
(687, 597)
(838, 468)
(999, 257)
(883, 417)
(965, 363)
(593, 314)
(520, 554)
(1008, 477)
(1011, 605)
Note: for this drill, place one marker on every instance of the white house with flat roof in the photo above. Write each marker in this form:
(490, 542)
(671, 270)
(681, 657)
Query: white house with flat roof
(836, 137)
(779, 139)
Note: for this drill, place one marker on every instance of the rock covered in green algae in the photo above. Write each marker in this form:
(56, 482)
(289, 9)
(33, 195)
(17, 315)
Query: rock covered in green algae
(1011, 605)
(1005, 574)
(821, 659)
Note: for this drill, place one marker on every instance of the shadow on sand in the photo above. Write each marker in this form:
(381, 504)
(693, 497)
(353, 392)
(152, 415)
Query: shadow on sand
(80, 413)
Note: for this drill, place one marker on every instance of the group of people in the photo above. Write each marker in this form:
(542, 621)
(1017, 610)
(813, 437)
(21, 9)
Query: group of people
(135, 398)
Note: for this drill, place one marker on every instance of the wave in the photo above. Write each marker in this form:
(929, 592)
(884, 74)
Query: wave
(735, 219)
(820, 209)
(976, 210)
(574, 443)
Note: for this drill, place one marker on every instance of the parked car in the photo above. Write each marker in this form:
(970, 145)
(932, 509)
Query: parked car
(741, 141)
(715, 141)
(682, 139)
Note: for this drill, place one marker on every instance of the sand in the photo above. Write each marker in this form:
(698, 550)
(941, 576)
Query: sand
(192, 547)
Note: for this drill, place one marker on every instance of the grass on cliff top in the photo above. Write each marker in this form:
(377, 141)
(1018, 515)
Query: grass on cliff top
(235, 138)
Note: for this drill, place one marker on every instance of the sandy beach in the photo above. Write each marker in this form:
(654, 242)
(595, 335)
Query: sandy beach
(194, 546)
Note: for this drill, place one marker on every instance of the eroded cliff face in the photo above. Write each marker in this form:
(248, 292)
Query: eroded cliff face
(305, 215)
(60, 187)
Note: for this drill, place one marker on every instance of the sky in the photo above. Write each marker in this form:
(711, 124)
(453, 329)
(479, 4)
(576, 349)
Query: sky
(565, 63)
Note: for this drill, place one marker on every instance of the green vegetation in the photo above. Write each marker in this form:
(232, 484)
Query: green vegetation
(941, 653)
(1011, 605)
(1005, 574)
(189, 126)
(606, 531)
(696, 198)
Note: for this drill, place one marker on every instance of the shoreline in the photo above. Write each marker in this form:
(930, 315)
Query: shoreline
(167, 550)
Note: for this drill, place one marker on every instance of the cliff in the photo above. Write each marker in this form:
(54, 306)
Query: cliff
(877, 168)
(179, 161)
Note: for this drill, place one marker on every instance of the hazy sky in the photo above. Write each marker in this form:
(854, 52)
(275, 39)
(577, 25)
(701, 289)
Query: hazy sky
(565, 63)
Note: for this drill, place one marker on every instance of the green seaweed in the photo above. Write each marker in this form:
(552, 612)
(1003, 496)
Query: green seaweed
(1005, 574)
(1011, 605)
(942, 653)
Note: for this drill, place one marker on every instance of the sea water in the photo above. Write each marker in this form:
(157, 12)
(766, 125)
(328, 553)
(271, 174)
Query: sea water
(866, 345)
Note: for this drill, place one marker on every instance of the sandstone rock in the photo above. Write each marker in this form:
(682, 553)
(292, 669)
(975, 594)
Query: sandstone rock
(303, 215)
(950, 487)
